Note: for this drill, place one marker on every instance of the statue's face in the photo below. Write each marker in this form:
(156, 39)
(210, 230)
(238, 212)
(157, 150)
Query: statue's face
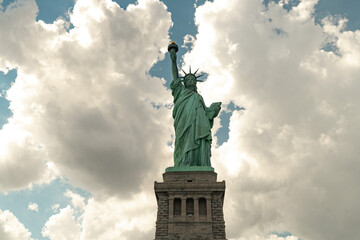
(190, 81)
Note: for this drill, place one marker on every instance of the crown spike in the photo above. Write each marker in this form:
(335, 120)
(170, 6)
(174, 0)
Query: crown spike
(190, 69)
(183, 71)
(196, 71)
(200, 75)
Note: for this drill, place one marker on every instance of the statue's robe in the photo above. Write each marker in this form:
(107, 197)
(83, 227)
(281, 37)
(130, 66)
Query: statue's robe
(192, 127)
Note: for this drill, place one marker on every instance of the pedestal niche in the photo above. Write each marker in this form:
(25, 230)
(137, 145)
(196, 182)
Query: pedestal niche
(190, 205)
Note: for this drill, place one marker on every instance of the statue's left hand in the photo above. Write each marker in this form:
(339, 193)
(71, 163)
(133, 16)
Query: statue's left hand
(214, 110)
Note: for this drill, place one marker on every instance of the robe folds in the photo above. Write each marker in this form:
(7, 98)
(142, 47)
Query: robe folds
(192, 127)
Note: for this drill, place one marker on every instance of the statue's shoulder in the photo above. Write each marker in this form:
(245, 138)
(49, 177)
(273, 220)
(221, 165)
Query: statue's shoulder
(176, 84)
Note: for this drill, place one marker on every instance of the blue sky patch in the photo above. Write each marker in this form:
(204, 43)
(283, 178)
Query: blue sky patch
(5, 83)
(45, 196)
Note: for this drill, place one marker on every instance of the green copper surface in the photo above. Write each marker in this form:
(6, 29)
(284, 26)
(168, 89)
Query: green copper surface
(190, 169)
(192, 121)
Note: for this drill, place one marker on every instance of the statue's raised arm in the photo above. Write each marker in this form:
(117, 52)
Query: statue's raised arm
(173, 48)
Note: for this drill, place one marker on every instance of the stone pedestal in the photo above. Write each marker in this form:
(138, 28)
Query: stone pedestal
(190, 206)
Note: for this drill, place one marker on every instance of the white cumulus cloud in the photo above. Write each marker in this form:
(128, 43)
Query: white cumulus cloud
(33, 207)
(83, 101)
(114, 219)
(11, 228)
(106, 218)
(291, 161)
(270, 237)
(77, 200)
(62, 226)
(55, 207)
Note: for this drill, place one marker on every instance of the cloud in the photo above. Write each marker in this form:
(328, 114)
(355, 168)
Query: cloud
(83, 101)
(271, 237)
(291, 161)
(11, 228)
(106, 218)
(33, 207)
(120, 219)
(76, 200)
(22, 162)
(55, 207)
(62, 226)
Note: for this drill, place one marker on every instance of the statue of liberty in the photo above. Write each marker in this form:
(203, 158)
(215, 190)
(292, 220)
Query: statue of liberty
(192, 119)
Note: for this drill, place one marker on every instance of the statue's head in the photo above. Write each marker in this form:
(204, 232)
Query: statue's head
(190, 79)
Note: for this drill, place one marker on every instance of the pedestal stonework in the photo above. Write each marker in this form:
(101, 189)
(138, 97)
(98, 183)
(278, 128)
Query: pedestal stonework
(190, 206)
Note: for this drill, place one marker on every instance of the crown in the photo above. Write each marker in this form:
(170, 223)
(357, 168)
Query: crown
(191, 74)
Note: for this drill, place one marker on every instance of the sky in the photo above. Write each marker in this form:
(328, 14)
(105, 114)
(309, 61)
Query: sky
(86, 125)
